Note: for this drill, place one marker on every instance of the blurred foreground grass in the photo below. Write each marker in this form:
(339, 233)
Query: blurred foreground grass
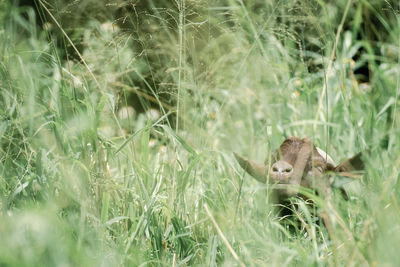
(86, 180)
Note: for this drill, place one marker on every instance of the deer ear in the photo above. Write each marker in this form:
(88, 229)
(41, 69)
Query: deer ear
(328, 160)
(352, 164)
(256, 170)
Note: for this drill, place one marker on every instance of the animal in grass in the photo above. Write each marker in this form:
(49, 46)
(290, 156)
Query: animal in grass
(298, 163)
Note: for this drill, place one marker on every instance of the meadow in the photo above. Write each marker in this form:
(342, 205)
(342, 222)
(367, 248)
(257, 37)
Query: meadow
(118, 123)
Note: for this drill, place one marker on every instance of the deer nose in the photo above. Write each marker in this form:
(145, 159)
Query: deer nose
(281, 170)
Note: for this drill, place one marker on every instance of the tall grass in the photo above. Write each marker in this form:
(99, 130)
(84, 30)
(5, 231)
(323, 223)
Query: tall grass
(86, 180)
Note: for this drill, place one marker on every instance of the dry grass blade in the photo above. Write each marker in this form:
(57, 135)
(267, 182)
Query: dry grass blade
(235, 256)
(331, 60)
(71, 43)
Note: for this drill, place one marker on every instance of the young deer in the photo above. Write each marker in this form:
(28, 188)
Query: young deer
(298, 163)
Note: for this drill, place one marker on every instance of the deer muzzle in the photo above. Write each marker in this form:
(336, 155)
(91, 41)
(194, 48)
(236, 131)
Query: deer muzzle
(281, 171)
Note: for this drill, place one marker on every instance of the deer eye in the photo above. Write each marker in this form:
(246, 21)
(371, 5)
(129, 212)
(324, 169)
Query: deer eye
(288, 169)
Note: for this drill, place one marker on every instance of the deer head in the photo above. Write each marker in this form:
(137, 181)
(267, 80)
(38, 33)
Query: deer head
(296, 163)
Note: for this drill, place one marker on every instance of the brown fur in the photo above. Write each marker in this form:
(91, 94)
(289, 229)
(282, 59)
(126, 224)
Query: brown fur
(296, 163)
(307, 164)
(289, 151)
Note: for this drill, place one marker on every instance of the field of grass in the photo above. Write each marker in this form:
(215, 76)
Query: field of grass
(85, 180)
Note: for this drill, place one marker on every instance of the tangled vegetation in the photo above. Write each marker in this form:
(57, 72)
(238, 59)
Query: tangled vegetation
(118, 122)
